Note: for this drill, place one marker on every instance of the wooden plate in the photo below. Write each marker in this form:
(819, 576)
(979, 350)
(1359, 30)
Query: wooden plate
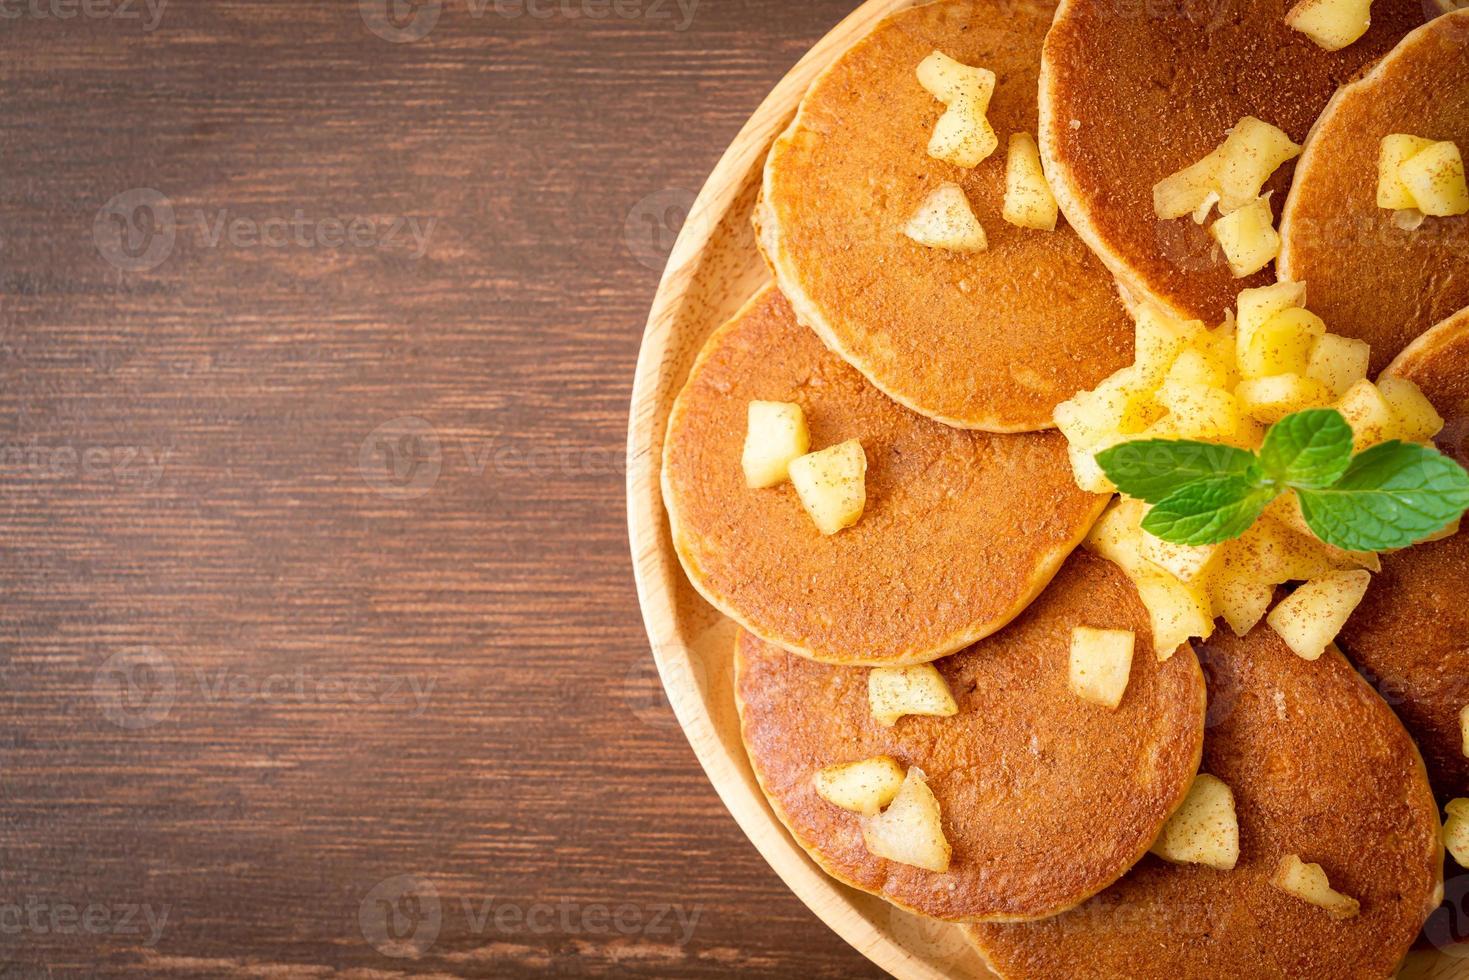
(713, 269)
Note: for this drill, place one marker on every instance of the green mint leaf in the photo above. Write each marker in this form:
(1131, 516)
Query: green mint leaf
(1310, 449)
(1151, 469)
(1209, 511)
(1391, 496)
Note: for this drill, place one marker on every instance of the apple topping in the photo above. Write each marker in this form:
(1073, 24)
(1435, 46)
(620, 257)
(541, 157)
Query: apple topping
(1310, 618)
(893, 692)
(1233, 174)
(1101, 661)
(1309, 883)
(1248, 237)
(1332, 24)
(1204, 830)
(1418, 176)
(963, 136)
(910, 831)
(832, 485)
(776, 434)
(945, 220)
(1029, 202)
(1338, 362)
(863, 787)
(1456, 831)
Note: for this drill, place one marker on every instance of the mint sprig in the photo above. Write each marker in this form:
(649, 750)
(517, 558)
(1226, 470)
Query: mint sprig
(1386, 497)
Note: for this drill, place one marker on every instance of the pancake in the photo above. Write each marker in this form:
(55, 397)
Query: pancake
(1045, 798)
(991, 340)
(962, 529)
(1368, 278)
(1319, 767)
(1410, 635)
(1133, 91)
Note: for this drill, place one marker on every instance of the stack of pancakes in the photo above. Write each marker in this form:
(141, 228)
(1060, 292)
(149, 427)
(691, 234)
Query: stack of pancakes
(946, 366)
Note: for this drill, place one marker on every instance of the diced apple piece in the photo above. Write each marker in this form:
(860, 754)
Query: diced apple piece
(911, 830)
(1204, 830)
(1223, 343)
(1309, 883)
(1435, 178)
(1272, 398)
(863, 787)
(1464, 729)
(1415, 417)
(1254, 150)
(832, 485)
(948, 80)
(776, 434)
(1177, 610)
(1100, 664)
(1184, 562)
(945, 220)
(1368, 413)
(1029, 202)
(1198, 367)
(893, 692)
(1258, 305)
(1397, 149)
(1312, 552)
(1238, 596)
(1158, 340)
(1248, 237)
(1088, 474)
(1192, 190)
(1456, 831)
(1310, 618)
(1282, 344)
(1118, 536)
(1338, 362)
(1332, 24)
(962, 136)
(1199, 412)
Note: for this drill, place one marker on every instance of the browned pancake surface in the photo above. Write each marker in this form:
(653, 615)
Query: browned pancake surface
(1367, 277)
(962, 529)
(1410, 635)
(1319, 767)
(1135, 90)
(1046, 798)
(992, 340)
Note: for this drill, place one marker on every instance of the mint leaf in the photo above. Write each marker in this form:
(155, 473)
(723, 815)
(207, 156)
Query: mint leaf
(1309, 450)
(1209, 511)
(1151, 469)
(1390, 496)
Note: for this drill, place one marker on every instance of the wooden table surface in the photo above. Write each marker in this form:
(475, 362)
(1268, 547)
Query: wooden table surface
(319, 649)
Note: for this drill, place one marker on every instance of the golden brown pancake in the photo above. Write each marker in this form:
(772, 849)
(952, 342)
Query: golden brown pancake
(1367, 277)
(961, 531)
(1319, 767)
(1135, 90)
(1410, 635)
(991, 340)
(1045, 798)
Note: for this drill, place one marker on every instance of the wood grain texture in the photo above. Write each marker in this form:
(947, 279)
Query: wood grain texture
(301, 688)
